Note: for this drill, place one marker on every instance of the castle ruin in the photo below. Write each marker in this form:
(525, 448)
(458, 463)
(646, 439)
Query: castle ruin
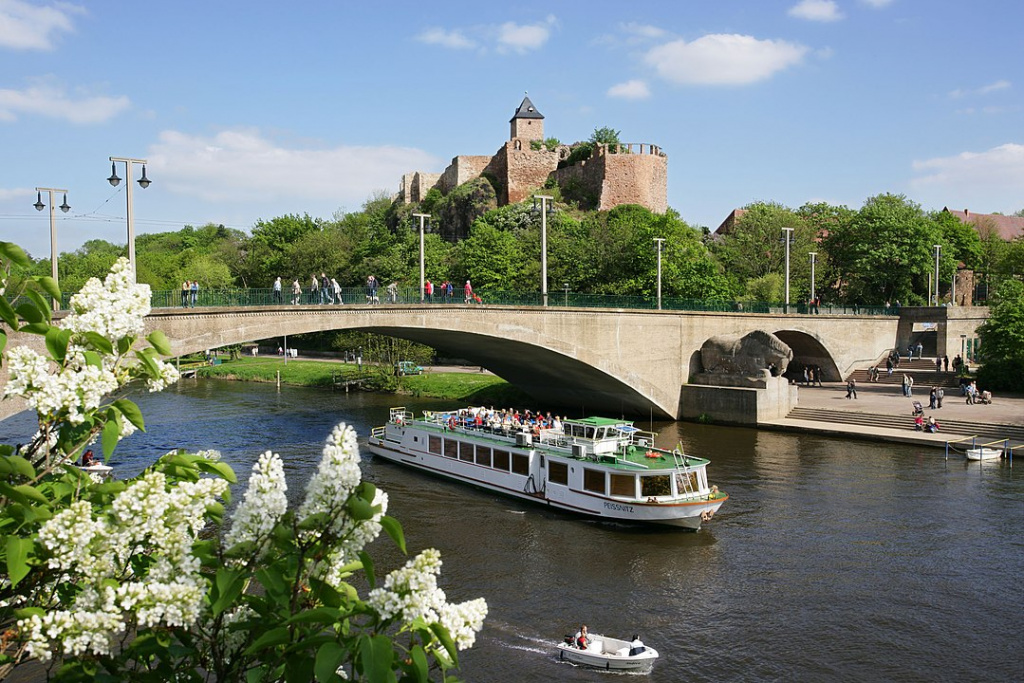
(628, 173)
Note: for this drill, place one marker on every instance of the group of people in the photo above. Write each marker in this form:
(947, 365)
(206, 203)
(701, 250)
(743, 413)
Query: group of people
(322, 290)
(973, 395)
(325, 290)
(189, 293)
(446, 292)
(812, 376)
(922, 425)
(508, 420)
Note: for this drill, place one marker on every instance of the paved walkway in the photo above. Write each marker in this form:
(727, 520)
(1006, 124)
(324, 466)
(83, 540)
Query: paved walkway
(879, 399)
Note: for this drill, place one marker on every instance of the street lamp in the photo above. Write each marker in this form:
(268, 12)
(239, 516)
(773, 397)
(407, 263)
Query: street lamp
(788, 236)
(813, 255)
(565, 287)
(544, 199)
(422, 217)
(144, 182)
(938, 249)
(53, 228)
(659, 243)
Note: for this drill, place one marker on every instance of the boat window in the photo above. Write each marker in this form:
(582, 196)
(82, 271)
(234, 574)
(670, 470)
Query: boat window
(656, 485)
(520, 464)
(623, 485)
(558, 473)
(466, 452)
(451, 448)
(501, 460)
(686, 482)
(483, 456)
(593, 480)
(435, 445)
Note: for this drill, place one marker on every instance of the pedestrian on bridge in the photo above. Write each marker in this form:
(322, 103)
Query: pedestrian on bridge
(277, 290)
(296, 292)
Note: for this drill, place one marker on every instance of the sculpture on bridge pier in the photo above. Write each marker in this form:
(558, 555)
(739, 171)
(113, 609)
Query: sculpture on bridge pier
(749, 356)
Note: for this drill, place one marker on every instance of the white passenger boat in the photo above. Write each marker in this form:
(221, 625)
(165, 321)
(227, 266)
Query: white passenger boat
(983, 453)
(594, 466)
(609, 653)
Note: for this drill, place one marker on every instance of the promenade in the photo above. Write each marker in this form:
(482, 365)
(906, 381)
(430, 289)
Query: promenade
(881, 412)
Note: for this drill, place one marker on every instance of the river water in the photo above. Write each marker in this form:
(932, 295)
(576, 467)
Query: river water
(832, 560)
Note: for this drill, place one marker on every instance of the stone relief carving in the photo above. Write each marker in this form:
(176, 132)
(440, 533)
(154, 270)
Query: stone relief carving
(748, 355)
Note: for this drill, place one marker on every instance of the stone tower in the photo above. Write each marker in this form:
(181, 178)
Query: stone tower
(527, 123)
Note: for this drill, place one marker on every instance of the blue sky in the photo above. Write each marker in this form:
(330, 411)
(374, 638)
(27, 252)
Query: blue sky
(249, 110)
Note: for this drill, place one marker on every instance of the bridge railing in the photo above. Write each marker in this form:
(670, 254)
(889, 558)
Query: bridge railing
(238, 297)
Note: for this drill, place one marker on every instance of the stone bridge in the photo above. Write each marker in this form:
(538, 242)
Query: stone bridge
(592, 360)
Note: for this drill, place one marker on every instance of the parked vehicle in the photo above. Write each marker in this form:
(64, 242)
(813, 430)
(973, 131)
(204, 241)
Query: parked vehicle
(407, 367)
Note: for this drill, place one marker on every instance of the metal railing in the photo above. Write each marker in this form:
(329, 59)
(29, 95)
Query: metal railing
(237, 297)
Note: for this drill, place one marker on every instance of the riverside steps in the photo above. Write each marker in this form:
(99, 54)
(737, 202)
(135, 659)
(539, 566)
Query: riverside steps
(882, 413)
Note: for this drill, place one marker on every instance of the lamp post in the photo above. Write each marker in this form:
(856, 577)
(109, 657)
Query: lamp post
(144, 182)
(565, 287)
(659, 243)
(544, 199)
(53, 228)
(938, 250)
(787, 235)
(422, 217)
(813, 256)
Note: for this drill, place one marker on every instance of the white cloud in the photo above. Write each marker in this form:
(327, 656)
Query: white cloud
(454, 39)
(983, 90)
(877, 3)
(243, 165)
(816, 10)
(642, 30)
(524, 37)
(987, 181)
(630, 90)
(28, 27)
(16, 193)
(718, 59)
(46, 98)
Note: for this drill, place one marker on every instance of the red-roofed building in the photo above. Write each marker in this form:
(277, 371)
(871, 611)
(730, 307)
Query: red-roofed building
(1005, 227)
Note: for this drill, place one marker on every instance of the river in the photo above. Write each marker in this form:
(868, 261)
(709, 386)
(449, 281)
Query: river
(832, 560)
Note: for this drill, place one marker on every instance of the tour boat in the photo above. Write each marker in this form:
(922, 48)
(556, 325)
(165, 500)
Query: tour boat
(609, 653)
(983, 453)
(595, 466)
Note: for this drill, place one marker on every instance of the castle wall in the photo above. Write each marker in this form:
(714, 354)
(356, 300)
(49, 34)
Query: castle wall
(635, 179)
(527, 169)
(416, 185)
(462, 169)
(527, 129)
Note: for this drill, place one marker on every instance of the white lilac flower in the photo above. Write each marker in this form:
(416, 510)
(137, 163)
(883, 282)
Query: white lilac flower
(114, 308)
(263, 505)
(335, 479)
(411, 592)
(168, 375)
(464, 620)
(353, 537)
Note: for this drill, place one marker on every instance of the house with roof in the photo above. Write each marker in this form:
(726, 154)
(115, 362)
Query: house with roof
(1006, 228)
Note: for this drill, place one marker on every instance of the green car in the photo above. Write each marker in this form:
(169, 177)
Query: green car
(407, 367)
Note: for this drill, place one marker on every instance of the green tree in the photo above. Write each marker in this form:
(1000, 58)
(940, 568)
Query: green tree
(605, 136)
(1002, 340)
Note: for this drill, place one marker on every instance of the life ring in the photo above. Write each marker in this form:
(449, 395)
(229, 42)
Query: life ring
(652, 454)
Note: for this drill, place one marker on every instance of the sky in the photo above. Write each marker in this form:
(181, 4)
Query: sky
(252, 110)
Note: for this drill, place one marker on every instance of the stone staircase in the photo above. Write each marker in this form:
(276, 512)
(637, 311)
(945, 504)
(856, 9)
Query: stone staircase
(986, 432)
(922, 370)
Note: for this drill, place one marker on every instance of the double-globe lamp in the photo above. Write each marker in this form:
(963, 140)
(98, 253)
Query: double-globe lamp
(144, 182)
(65, 207)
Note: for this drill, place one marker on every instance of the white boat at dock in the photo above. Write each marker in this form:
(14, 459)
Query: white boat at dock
(611, 654)
(594, 466)
(983, 453)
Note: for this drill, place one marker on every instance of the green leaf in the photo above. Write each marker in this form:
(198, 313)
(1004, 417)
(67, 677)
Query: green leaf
(100, 342)
(49, 285)
(42, 305)
(15, 254)
(229, 584)
(17, 558)
(15, 464)
(314, 521)
(27, 612)
(94, 359)
(32, 493)
(394, 529)
(8, 314)
(35, 328)
(359, 509)
(131, 411)
(3, 341)
(368, 568)
(111, 433)
(328, 658)
(57, 343)
(221, 469)
(124, 345)
(30, 313)
(317, 615)
(272, 638)
(419, 660)
(446, 640)
(376, 656)
(160, 342)
(146, 356)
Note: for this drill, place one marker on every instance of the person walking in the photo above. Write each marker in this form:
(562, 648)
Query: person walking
(277, 290)
(296, 292)
(314, 290)
(851, 388)
(469, 292)
(939, 393)
(337, 291)
(326, 291)
(194, 287)
(186, 288)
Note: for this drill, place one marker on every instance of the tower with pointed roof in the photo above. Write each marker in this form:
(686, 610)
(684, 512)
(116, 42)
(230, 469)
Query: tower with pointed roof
(527, 123)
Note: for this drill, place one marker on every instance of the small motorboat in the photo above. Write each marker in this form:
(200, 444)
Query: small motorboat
(983, 453)
(609, 653)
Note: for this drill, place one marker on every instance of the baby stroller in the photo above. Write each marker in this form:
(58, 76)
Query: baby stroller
(918, 408)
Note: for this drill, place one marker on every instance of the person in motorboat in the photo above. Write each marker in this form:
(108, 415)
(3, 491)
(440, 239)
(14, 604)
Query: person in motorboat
(582, 638)
(88, 459)
(637, 646)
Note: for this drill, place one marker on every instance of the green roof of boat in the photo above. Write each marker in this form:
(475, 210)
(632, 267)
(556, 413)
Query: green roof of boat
(598, 422)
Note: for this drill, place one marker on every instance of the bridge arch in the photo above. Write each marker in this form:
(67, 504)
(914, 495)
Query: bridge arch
(809, 350)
